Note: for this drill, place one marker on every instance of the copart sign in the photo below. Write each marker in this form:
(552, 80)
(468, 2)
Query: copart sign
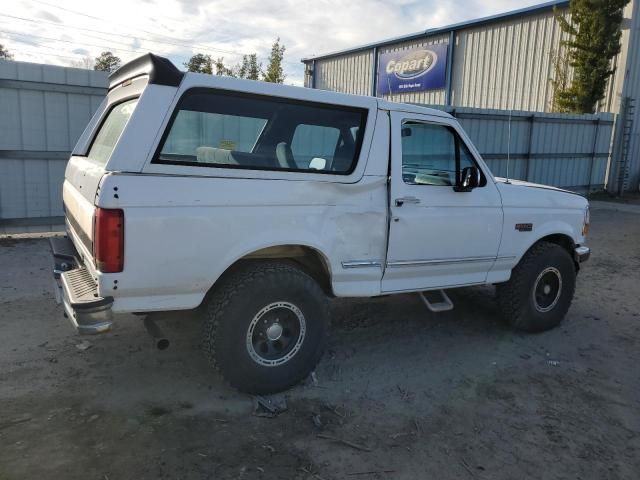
(418, 69)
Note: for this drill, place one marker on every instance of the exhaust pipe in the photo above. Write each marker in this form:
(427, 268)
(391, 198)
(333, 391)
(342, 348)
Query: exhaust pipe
(159, 338)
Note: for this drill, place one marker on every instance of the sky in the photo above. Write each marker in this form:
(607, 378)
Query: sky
(68, 32)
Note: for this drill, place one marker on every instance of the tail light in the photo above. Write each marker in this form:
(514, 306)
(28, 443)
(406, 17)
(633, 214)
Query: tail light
(108, 240)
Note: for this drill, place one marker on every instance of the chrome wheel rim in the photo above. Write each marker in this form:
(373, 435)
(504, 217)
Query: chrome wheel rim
(275, 334)
(547, 289)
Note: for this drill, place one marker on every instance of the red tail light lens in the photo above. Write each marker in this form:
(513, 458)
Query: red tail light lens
(108, 240)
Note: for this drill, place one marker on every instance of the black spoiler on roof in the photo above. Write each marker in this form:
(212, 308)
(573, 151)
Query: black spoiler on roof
(160, 70)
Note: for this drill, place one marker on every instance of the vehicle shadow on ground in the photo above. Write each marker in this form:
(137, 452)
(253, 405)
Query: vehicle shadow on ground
(399, 327)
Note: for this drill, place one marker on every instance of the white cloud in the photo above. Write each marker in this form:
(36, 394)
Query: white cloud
(179, 28)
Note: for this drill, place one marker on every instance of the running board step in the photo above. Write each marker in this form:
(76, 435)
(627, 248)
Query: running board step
(436, 300)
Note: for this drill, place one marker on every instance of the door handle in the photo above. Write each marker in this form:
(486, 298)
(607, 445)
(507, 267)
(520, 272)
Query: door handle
(407, 200)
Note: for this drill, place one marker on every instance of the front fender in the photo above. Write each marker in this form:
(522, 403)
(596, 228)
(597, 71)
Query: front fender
(515, 243)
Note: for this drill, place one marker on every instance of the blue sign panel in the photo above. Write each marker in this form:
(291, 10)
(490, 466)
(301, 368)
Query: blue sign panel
(418, 69)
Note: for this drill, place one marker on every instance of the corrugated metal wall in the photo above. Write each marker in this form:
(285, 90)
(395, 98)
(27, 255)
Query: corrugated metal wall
(569, 151)
(507, 65)
(347, 73)
(43, 111)
(504, 64)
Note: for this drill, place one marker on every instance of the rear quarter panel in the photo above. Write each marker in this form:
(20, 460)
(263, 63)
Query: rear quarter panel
(182, 233)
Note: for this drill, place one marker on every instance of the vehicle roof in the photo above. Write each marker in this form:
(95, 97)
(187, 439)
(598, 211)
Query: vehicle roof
(195, 80)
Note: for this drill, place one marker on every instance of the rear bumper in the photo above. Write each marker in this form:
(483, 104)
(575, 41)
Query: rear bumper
(582, 254)
(78, 292)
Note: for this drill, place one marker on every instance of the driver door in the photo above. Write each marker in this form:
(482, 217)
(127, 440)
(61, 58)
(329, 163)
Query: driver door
(438, 237)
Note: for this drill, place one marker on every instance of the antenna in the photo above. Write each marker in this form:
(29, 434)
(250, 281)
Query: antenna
(509, 146)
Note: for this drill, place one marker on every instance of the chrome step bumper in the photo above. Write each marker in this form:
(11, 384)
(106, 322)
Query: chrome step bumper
(78, 292)
(582, 254)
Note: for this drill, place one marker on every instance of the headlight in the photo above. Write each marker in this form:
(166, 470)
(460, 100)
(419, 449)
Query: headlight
(585, 224)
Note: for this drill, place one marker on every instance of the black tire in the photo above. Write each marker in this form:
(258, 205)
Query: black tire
(529, 300)
(273, 291)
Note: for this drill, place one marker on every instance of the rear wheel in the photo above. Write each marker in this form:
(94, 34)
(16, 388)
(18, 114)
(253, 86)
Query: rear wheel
(266, 327)
(541, 288)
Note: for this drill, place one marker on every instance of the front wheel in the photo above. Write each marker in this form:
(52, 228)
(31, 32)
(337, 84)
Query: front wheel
(540, 291)
(266, 327)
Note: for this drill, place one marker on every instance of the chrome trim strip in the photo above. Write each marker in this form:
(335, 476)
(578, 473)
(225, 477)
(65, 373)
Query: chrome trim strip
(445, 261)
(362, 264)
(417, 263)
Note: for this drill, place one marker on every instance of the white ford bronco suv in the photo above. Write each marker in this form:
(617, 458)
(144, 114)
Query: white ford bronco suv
(256, 202)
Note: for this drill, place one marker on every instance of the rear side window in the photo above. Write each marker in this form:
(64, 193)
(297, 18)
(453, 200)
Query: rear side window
(314, 141)
(223, 129)
(110, 131)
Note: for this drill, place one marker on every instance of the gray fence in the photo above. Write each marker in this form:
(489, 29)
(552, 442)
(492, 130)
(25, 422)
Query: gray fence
(43, 110)
(570, 151)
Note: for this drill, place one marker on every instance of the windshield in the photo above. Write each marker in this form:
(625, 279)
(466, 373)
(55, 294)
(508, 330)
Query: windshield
(110, 132)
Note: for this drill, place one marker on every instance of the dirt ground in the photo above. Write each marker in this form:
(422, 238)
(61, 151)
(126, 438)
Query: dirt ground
(401, 394)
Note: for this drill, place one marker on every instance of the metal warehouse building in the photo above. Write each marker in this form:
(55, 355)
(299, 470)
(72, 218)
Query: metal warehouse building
(505, 62)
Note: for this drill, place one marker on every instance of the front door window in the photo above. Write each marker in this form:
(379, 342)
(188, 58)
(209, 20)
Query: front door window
(430, 153)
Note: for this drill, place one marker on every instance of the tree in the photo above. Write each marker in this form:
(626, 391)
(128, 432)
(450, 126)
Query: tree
(250, 68)
(594, 28)
(107, 62)
(4, 53)
(222, 69)
(560, 80)
(274, 72)
(200, 63)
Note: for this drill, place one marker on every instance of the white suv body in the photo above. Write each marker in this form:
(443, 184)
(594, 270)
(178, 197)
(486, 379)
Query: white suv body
(204, 173)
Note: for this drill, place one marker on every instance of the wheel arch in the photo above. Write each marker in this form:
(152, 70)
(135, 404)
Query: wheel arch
(309, 258)
(561, 239)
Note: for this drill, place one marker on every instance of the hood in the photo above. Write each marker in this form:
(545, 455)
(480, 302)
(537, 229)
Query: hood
(522, 183)
(517, 193)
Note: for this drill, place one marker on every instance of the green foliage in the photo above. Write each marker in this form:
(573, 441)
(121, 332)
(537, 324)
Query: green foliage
(274, 72)
(200, 63)
(222, 69)
(107, 62)
(4, 53)
(595, 31)
(250, 68)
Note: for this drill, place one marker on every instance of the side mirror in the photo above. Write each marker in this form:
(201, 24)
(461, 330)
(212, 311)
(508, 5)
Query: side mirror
(469, 179)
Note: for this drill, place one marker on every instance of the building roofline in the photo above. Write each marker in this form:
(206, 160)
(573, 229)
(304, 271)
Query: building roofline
(446, 29)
